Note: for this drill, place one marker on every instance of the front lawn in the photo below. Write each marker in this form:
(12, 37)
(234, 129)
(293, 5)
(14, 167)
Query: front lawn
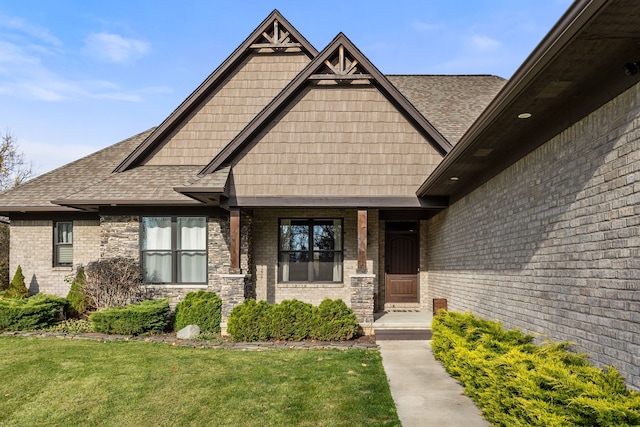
(51, 382)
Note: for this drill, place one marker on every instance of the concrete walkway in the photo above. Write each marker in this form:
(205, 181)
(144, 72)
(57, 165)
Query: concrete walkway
(424, 393)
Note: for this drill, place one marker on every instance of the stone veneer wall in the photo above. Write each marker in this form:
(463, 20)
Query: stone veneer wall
(552, 244)
(31, 246)
(120, 236)
(265, 255)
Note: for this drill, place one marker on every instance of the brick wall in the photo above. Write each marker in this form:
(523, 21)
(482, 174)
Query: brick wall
(551, 245)
(31, 246)
(265, 255)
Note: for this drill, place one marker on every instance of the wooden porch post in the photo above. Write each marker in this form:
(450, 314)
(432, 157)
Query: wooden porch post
(362, 241)
(234, 240)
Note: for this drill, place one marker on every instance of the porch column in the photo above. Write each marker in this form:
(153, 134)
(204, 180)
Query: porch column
(362, 241)
(234, 241)
(235, 285)
(362, 284)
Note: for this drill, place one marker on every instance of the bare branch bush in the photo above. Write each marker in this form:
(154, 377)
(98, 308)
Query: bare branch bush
(114, 282)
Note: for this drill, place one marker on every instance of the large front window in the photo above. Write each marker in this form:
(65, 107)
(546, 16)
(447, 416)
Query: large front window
(174, 249)
(310, 250)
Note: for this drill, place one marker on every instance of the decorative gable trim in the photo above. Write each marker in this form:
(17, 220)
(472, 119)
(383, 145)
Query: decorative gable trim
(340, 62)
(275, 33)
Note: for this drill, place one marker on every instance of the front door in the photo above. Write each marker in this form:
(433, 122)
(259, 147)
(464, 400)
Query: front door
(402, 262)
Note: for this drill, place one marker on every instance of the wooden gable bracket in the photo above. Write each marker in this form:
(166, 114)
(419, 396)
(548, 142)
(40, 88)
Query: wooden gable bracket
(278, 40)
(342, 68)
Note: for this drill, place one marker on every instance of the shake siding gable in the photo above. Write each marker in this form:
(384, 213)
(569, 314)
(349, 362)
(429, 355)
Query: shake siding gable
(336, 141)
(219, 118)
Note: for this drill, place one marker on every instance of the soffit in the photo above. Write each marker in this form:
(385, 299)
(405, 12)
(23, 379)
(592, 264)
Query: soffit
(575, 69)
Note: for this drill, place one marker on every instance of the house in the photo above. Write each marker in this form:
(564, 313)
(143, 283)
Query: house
(293, 173)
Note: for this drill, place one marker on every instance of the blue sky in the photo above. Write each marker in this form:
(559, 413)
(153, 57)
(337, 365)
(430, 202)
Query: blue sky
(77, 75)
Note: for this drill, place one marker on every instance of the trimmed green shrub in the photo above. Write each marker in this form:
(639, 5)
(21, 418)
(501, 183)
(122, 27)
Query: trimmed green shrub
(334, 321)
(17, 287)
(250, 321)
(200, 308)
(26, 314)
(134, 319)
(292, 320)
(78, 301)
(517, 383)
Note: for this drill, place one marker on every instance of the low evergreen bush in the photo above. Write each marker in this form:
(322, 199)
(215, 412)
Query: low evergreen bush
(250, 321)
(26, 314)
(292, 320)
(17, 287)
(517, 383)
(134, 319)
(200, 308)
(78, 301)
(334, 321)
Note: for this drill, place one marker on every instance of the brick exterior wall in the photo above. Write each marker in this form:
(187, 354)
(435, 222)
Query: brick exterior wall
(552, 244)
(31, 246)
(265, 255)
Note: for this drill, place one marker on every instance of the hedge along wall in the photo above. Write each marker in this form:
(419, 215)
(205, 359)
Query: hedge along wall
(551, 245)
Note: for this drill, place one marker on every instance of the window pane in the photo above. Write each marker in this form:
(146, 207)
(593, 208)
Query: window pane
(294, 236)
(156, 233)
(327, 267)
(157, 267)
(65, 232)
(192, 233)
(192, 267)
(294, 267)
(323, 235)
(65, 254)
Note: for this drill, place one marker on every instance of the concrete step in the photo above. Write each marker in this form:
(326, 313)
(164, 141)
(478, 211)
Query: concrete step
(388, 334)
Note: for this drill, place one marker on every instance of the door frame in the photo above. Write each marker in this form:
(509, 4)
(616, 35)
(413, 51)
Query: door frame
(415, 231)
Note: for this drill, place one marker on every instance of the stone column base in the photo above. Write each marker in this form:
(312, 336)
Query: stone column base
(233, 292)
(362, 299)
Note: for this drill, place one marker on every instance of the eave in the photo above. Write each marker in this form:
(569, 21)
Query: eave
(576, 68)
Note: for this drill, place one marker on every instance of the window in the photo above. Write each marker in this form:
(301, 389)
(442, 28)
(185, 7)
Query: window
(62, 243)
(174, 249)
(310, 250)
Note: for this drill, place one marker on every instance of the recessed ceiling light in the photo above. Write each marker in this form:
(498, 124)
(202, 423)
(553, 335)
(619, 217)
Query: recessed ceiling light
(454, 178)
(524, 115)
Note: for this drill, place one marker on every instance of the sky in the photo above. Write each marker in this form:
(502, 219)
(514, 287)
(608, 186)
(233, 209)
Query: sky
(79, 75)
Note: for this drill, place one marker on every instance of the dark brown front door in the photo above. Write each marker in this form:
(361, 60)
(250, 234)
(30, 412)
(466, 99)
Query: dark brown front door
(402, 262)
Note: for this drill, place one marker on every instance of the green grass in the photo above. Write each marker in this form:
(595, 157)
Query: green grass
(56, 382)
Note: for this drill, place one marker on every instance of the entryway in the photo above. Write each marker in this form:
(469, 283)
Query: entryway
(402, 262)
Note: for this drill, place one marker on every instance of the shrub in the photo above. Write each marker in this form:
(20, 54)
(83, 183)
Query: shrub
(39, 311)
(113, 282)
(71, 326)
(517, 383)
(250, 321)
(134, 319)
(291, 320)
(17, 287)
(334, 321)
(78, 301)
(199, 308)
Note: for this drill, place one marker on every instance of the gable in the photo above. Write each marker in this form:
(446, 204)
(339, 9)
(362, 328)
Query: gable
(228, 109)
(335, 140)
(282, 50)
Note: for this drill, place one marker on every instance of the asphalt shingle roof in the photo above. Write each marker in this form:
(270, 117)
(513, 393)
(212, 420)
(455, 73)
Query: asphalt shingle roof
(450, 103)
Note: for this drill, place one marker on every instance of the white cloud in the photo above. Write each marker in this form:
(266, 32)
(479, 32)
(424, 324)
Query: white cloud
(109, 47)
(32, 30)
(484, 43)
